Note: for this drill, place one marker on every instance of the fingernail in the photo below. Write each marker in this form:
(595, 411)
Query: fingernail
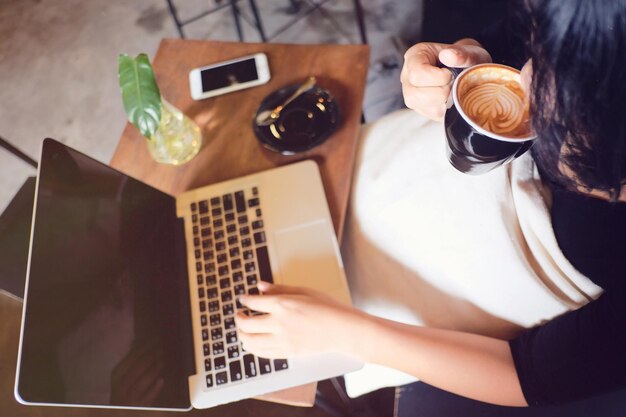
(242, 299)
(263, 285)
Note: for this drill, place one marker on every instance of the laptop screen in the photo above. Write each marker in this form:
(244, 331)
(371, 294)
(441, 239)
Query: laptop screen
(106, 309)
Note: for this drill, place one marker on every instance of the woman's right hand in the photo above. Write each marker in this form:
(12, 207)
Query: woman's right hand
(425, 86)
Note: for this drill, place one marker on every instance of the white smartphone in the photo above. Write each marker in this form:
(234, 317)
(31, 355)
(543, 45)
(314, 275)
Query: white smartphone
(228, 76)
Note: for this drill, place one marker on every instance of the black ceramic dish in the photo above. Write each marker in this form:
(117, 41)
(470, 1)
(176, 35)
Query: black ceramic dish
(303, 124)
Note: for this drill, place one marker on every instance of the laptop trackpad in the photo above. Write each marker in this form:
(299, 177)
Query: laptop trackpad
(307, 257)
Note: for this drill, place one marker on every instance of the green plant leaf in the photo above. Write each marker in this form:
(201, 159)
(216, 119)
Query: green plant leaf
(140, 93)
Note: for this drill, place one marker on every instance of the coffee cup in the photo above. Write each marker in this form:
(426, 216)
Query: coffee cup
(487, 121)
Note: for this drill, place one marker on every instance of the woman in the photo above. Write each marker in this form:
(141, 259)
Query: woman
(575, 79)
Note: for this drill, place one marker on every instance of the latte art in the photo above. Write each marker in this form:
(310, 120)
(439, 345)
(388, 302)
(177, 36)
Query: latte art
(497, 107)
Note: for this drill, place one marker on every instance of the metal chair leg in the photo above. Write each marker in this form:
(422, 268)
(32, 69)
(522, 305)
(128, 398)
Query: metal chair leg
(6, 145)
(177, 21)
(236, 13)
(360, 18)
(257, 20)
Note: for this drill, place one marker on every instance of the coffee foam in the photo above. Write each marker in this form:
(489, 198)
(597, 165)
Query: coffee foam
(493, 98)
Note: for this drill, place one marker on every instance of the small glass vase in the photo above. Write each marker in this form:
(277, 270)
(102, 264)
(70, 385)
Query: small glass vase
(178, 138)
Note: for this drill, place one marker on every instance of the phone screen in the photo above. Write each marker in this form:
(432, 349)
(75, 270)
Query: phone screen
(227, 75)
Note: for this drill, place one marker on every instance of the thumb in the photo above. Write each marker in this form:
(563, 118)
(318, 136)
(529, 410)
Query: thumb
(462, 56)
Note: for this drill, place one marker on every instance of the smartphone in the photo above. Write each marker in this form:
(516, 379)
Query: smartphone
(228, 76)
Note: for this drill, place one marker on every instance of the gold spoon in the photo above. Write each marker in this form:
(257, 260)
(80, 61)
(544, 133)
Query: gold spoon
(267, 117)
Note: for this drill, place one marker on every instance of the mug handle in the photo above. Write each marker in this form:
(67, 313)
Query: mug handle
(454, 70)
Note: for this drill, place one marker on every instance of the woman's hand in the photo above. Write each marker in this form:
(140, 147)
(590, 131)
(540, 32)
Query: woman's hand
(425, 86)
(297, 321)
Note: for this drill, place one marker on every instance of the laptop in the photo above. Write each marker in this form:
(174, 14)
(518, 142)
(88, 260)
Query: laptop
(130, 292)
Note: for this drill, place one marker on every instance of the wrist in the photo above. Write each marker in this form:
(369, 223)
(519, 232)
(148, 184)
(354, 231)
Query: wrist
(357, 335)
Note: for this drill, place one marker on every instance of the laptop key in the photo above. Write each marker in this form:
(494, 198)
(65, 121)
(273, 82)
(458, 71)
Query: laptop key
(209, 381)
(243, 219)
(253, 291)
(211, 280)
(209, 268)
(215, 319)
(280, 364)
(201, 292)
(248, 254)
(257, 224)
(259, 238)
(227, 296)
(229, 323)
(227, 200)
(230, 217)
(214, 306)
(244, 231)
(215, 201)
(253, 202)
(202, 306)
(216, 212)
(237, 276)
(208, 255)
(249, 366)
(240, 202)
(194, 206)
(228, 309)
(203, 320)
(196, 242)
(220, 246)
(198, 266)
(233, 252)
(231, 337)
(211, 293)
(217, 223)
(224, 283)
(205, 334)
(249, 267)
(207, 364)
(216, 334)
(221, 258)
(263, 259)
(204, 206)
(235, 371)
(235, 264)
(218, 348)
(219, 362)
(233, 352)
(199, 279)
(239, 289)
(246, 243)
(205, 220)
(251, 279)
(264, 366)
(231, 228)
(206, 232)
(207, 349)
(221, 378)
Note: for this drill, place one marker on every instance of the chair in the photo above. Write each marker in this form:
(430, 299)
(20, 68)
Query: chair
(295, 8)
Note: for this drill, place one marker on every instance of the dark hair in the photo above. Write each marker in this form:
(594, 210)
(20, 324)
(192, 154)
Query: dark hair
(578, 91)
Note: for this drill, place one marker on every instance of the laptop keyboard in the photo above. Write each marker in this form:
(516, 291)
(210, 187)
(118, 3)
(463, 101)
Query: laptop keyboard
(231, 257)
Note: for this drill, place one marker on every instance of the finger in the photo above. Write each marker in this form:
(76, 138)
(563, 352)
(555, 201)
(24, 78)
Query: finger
(463, 56)
(420, 66)
(268, 288)
(427, 101)
(255, 324)
(258, 344)
(265, 303)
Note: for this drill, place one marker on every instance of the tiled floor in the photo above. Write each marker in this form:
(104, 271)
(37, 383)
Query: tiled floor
(58, 62)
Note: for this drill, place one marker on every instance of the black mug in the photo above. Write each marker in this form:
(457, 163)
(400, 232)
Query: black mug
(486, 122)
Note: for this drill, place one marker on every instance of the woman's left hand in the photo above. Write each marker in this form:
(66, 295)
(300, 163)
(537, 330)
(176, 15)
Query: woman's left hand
(297, 321)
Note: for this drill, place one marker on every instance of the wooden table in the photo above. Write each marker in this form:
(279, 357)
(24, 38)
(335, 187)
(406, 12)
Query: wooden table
(230, 148)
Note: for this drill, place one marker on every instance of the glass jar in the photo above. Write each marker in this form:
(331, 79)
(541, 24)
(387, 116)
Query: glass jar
(178, 138)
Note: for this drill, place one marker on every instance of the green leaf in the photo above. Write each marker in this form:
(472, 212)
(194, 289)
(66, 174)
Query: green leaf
(140, 93)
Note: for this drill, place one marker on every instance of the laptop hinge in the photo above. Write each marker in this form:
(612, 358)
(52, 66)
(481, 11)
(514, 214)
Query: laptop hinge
(186, 334)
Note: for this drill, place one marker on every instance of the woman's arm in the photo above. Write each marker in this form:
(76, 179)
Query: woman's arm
(300, 322)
